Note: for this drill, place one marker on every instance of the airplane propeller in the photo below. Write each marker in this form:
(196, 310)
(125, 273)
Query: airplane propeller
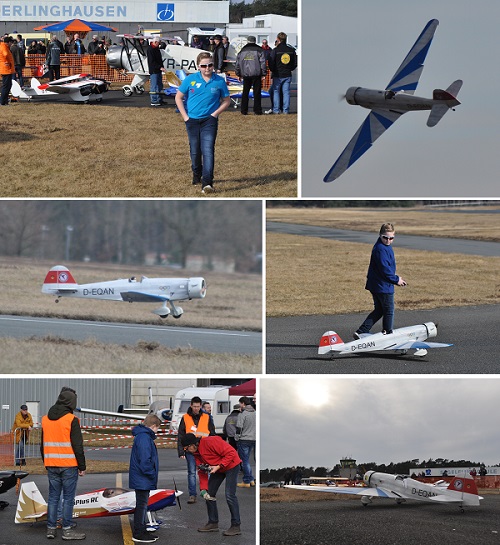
(177, 495)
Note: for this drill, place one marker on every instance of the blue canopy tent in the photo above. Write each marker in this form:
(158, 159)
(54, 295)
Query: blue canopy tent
(76, 26)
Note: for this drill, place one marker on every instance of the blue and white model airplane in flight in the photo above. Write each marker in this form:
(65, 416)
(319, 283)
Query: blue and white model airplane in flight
(390, 104)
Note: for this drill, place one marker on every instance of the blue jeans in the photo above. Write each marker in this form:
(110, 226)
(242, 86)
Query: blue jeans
(61, 479)
(191, 463)
(141, 508)
(20, 449)
(281, 84)
(244, 450)
(202, 134)
(214, 482)
(384, 308)
(155, 87)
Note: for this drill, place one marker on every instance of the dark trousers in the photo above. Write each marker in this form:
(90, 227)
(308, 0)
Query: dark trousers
(6, 87)
(383, 308)
(248, 83)
(141, 508)
(54, 72)
(214, 482)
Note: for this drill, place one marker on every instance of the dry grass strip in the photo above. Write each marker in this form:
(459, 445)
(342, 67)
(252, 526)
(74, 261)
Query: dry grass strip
(98, 150)
(456, 223)
(307, 276)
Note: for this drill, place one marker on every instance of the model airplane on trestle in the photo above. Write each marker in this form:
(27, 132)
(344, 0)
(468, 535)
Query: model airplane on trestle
(400, 340)
(461, 490)
(60, 282)
(9, 479)
(388, 105)
(105, 502)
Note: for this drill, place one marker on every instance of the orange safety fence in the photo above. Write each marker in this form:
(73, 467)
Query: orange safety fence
(97, 66)
(6, 450)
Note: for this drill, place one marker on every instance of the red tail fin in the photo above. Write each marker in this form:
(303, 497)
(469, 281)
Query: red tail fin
(328, 339)
(59, 275)
(464, 484)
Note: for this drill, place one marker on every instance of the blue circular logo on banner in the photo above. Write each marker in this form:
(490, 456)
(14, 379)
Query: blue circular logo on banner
(165, 12)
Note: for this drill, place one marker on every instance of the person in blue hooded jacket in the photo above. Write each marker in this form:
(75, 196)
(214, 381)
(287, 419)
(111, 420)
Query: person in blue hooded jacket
(380, 282)
(143, 474)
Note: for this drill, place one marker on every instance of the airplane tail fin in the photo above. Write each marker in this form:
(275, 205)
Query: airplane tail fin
(467, 488)
(328, 339)
(30, 506)
(447, 99)
(35, 86)
(58, 278)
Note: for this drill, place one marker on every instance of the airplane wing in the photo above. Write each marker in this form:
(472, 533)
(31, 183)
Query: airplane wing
(141, 297)
(358, 491)
(417, 344)
(407, 75)
(126, 416)
(377, 122)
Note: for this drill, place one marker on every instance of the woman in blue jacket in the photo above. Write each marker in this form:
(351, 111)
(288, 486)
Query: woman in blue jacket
(380, 281)
(143, 474)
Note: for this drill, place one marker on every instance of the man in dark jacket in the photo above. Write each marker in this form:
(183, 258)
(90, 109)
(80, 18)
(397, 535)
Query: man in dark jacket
(250, 67)
(380, 282)
(282, 62)
(64, 459)
(53, 58)
(218, 54)
(143, 474)
(156, 69)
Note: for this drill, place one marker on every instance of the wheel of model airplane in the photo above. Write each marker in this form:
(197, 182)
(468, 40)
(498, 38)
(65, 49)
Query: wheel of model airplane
(176, 317)
(164, 316)
(139, 89)
(98, 99)
(127, 90)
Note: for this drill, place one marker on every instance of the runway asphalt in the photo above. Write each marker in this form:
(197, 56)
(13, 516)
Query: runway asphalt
(208, 340)
(292, 344)
(347, 522)
(179, 525)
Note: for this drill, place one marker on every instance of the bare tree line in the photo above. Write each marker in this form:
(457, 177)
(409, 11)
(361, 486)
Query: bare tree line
(125, 231)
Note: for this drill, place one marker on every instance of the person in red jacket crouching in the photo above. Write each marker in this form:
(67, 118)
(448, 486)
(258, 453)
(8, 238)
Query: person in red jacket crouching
(216, 461)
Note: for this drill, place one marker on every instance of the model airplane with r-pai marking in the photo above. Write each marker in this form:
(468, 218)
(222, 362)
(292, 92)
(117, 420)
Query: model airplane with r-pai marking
(388, 105)
(400, 340)
(60, 282)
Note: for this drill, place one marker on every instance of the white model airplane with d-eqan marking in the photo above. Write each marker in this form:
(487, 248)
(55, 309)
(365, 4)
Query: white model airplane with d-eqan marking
(400, 340)
(388, 105)
(60, 282)
(461, 490)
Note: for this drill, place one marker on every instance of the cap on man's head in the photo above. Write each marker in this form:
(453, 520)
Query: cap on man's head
(95, 36)
(24, 407)
(218, 37)
(251, 39)
(189, 439)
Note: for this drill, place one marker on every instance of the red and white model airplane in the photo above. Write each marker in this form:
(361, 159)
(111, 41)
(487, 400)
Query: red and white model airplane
(105, 502)
(400, 341)
(461, 490)
(79, 87)
(60, 282)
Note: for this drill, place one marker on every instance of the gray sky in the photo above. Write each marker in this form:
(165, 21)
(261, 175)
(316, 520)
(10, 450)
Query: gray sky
(316, 421)
(362, 43)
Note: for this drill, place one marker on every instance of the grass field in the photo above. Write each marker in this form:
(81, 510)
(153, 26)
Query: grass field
(233, 301)
(99, 150)
(454, 223)
(307, 275)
